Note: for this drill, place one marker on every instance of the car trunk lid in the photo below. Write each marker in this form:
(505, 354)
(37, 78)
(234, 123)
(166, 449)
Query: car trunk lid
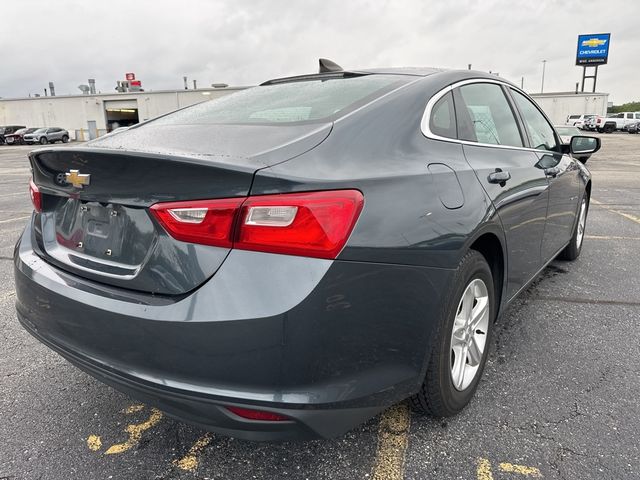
(95, 220)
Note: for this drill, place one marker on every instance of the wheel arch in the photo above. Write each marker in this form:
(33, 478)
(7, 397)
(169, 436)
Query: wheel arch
(492, 248)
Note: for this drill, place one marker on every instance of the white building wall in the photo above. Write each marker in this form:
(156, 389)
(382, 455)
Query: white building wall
(558, 106)
(73, 112)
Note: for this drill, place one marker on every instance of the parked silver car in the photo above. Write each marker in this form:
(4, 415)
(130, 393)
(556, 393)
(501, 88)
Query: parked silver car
(47, 135)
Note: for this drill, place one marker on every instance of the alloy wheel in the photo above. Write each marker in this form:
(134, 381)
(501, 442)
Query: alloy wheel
(582, 221)
(469, 334)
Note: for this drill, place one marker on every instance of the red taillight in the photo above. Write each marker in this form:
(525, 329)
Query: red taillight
(36, 196)
(209, 222)
(257, 414)
(315, 224)
(311, 224)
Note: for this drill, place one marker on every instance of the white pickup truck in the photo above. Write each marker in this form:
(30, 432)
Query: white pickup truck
(615, 121)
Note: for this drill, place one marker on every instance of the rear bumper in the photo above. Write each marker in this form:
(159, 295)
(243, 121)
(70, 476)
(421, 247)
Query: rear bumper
(327, 344)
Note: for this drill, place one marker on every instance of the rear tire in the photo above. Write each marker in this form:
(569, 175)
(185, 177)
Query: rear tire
(572, 251)
(65, 139)
(43, 140)
(460, 350)
(609, 128)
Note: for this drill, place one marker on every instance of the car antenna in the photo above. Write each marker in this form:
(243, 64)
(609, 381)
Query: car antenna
(327, 66)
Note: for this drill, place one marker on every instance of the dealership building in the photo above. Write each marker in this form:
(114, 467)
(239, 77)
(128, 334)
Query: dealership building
(88, 116)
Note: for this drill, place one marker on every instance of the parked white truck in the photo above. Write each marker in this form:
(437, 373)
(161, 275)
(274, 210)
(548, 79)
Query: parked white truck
(615, 121)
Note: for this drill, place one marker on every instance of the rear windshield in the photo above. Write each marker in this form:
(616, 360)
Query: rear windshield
(294, 102)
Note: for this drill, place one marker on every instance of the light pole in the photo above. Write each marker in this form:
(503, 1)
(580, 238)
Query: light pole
(544, 64)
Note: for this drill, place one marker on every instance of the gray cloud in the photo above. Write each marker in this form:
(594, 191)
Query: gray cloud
(246, 42)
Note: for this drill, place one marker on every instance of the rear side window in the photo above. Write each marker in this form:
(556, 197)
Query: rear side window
(486, 116)
(291, 102)
(637, 116)
(541, 132)
(443, 117)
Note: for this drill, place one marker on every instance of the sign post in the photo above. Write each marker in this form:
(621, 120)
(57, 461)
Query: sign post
(593, 50)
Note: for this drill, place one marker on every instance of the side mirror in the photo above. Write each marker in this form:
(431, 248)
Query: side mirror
(583, 147)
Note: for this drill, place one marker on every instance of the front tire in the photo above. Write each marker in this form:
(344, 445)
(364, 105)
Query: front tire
(460, 350)
(572, 251)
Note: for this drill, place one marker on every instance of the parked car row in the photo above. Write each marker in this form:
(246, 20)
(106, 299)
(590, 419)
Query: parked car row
(21, 135)
(632, 127)
(579, 121)
(615, 121)
(8, 130)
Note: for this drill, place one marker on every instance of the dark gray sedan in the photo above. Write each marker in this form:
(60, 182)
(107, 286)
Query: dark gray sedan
(287, 261)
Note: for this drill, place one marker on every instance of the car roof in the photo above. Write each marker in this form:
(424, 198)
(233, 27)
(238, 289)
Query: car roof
(415, 71)
(403, 71)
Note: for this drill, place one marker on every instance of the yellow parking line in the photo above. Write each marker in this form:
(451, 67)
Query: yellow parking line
(520, 469)
(25, 193)
(135, 431)
(133, 409)
(94, 443)
(484, 469)
(393, 438)
(628, 216)
(6, 295)
(609, 237)
(15, 219)
(190, 461)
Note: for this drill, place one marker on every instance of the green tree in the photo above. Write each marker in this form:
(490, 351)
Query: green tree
(625, 107)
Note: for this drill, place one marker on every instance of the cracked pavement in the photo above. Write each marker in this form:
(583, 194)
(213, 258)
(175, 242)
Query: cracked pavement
(560, 391)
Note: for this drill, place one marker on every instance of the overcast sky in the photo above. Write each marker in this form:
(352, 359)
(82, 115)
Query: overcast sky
(246, 42)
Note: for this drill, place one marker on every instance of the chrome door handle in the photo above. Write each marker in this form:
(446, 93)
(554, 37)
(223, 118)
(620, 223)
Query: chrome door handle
(499, 177)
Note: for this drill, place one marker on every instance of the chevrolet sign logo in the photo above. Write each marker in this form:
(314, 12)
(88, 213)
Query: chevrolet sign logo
(77, 179)
(593, 42)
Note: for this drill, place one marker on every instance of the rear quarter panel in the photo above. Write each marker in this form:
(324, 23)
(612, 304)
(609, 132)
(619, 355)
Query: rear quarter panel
(391, 282)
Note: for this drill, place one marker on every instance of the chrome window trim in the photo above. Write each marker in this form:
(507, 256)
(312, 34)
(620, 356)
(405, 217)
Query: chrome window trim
(426, 131)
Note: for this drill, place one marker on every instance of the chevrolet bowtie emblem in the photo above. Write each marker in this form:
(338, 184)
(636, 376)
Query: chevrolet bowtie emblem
(77, 179)
(593, 42)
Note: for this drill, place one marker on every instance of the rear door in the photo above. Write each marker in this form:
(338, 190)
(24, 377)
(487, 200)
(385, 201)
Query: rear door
(495, 147)
(562, 172)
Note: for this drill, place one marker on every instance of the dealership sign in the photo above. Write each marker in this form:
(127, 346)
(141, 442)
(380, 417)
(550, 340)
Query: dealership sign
(593, 49)
(130, 76)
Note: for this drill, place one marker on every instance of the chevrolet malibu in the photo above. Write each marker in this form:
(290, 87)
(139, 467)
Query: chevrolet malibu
(289, 260)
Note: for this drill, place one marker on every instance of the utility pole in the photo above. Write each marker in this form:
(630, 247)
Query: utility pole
(544, 64)
(522, 83)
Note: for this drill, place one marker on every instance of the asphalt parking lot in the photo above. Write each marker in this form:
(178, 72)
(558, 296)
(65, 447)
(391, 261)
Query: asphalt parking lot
(559, 398)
